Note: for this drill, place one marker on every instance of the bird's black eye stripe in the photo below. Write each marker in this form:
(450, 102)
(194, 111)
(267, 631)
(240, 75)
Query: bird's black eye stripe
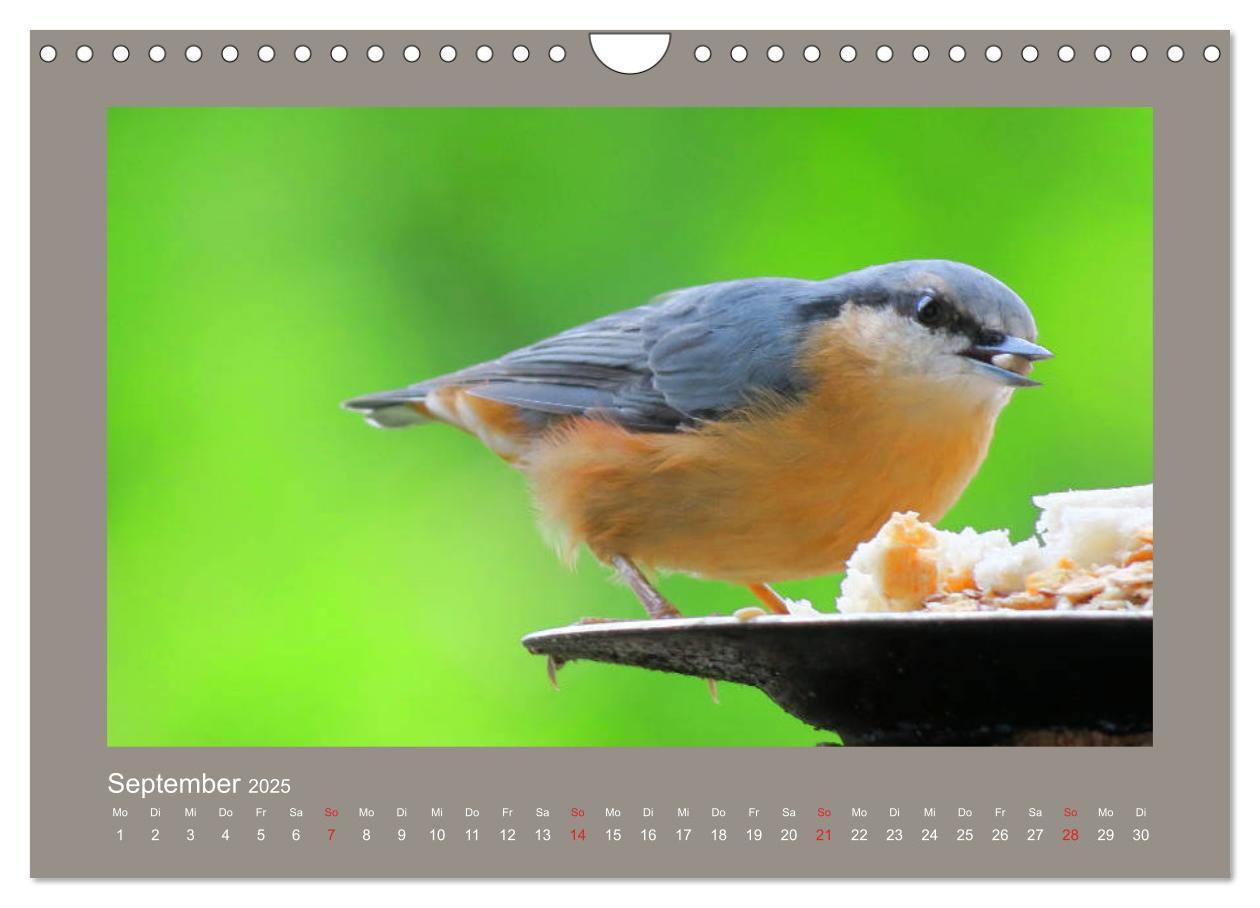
(931, 312)
(987, 337)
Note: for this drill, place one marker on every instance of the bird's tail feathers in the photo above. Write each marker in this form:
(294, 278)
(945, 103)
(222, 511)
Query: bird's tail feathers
(392, 409)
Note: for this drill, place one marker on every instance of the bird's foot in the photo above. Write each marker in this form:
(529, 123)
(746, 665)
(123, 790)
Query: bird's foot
(656, 605)
(769, 598)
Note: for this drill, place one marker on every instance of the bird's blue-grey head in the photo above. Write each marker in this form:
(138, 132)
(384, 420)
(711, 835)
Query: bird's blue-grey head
(945, 319)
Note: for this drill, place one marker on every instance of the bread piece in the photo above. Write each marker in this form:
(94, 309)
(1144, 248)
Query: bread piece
(1096, 551)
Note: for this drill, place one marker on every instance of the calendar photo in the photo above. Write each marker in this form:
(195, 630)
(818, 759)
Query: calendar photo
(629, 426)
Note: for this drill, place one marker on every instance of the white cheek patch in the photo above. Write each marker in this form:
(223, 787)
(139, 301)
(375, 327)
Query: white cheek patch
(910, 356)
(893, 344)
(915, 350)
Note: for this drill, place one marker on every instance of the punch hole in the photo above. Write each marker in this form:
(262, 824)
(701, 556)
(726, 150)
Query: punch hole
(192, 53)
(1067, 53)
(121, 54)
(520, 53)
(628, 54)
(739, 53)
(883, 53)
(411, 53)
(48, 53)
(447, 53)
(1137, 53)
(1175, 53)
(1029, 53)
(1102, 53)
(339, 53)
(229, 53)
(703, 54)
(157, 53)
(83, 53)
(302, 53)
(556, 53)
(993, 53)
(375, 53)
(1211, 53)
(266, 53)
(811, 54)
(957, 53)
(774, 53)
(485, 53)
(848, 53)
(920, 53)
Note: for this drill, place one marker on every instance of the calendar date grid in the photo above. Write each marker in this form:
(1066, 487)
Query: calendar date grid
(577, 826)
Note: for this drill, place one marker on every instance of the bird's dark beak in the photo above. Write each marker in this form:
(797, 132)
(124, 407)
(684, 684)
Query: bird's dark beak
(1008, 360)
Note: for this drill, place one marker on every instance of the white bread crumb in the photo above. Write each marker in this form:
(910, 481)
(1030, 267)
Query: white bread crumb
(1003, 571)
(799, 606)
(1088, 537)
(1054, 504)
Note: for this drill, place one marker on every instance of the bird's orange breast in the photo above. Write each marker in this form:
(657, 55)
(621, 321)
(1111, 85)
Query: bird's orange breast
(784, 490)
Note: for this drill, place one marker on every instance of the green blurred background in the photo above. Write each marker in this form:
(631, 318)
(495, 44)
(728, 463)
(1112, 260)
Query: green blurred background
(282, 575)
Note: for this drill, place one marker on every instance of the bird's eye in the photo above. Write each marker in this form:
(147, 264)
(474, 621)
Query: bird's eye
(930, 312)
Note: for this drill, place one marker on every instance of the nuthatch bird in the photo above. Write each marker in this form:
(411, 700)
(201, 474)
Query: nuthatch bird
(749, 431)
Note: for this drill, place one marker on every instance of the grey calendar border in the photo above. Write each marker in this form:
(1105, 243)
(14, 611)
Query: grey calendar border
(1184, 779)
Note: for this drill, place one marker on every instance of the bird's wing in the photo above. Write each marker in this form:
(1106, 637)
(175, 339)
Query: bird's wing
(694, 354)
(712, 349)
(599, 367)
